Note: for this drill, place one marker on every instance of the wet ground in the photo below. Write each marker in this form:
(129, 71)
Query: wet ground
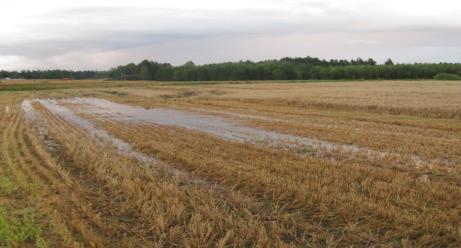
(214, 125)
(101, 135)
(225, 128)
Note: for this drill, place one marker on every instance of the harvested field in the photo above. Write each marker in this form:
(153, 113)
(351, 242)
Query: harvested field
(241, 165)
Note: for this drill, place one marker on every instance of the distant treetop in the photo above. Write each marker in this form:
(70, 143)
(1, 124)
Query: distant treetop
(297, 68)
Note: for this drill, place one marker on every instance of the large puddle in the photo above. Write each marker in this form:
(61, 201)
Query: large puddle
(40, 124)
(221, 127)
(227, 129)
(101, 135)
(214, 125)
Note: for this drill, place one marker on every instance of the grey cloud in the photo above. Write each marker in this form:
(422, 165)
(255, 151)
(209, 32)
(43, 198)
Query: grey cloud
(176, 35)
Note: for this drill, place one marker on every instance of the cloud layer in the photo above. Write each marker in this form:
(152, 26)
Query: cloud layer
(97, 35)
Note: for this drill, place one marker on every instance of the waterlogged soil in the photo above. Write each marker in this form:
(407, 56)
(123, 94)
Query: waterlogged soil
(224, 128)
(41, 126)
(214, 125)
(101, 135)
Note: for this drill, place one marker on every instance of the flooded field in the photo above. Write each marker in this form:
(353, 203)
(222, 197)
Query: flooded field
(225, 128)
(264, 165)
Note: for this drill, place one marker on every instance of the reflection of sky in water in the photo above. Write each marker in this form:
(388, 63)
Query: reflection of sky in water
(217, 126)
(102, 135)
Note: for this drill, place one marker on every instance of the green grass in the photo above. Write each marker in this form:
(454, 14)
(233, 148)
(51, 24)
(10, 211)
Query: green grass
(7, 186)
(58, 86)
(17, 224)
(447, 76)
(19, 229)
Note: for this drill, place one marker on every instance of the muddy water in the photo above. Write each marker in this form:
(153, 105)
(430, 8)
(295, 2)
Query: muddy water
(209, 124)
(214, 125)
(41, 125)
(234, 114)
(70, 116)
(29, 112)
(228, 130)
(101, 135)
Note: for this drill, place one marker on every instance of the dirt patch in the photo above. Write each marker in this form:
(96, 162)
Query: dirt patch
(182, 94)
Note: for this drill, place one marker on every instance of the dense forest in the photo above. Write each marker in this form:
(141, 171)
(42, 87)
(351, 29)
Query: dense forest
(52, 74)
(307, 68)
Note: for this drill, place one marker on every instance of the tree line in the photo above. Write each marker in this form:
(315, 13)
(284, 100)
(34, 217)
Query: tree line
(52, 74)
(305, 68)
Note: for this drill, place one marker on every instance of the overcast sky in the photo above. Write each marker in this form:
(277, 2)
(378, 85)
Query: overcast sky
(95, 34)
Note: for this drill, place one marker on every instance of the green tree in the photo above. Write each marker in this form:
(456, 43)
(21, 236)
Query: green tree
(389, 62)
(145, 70)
